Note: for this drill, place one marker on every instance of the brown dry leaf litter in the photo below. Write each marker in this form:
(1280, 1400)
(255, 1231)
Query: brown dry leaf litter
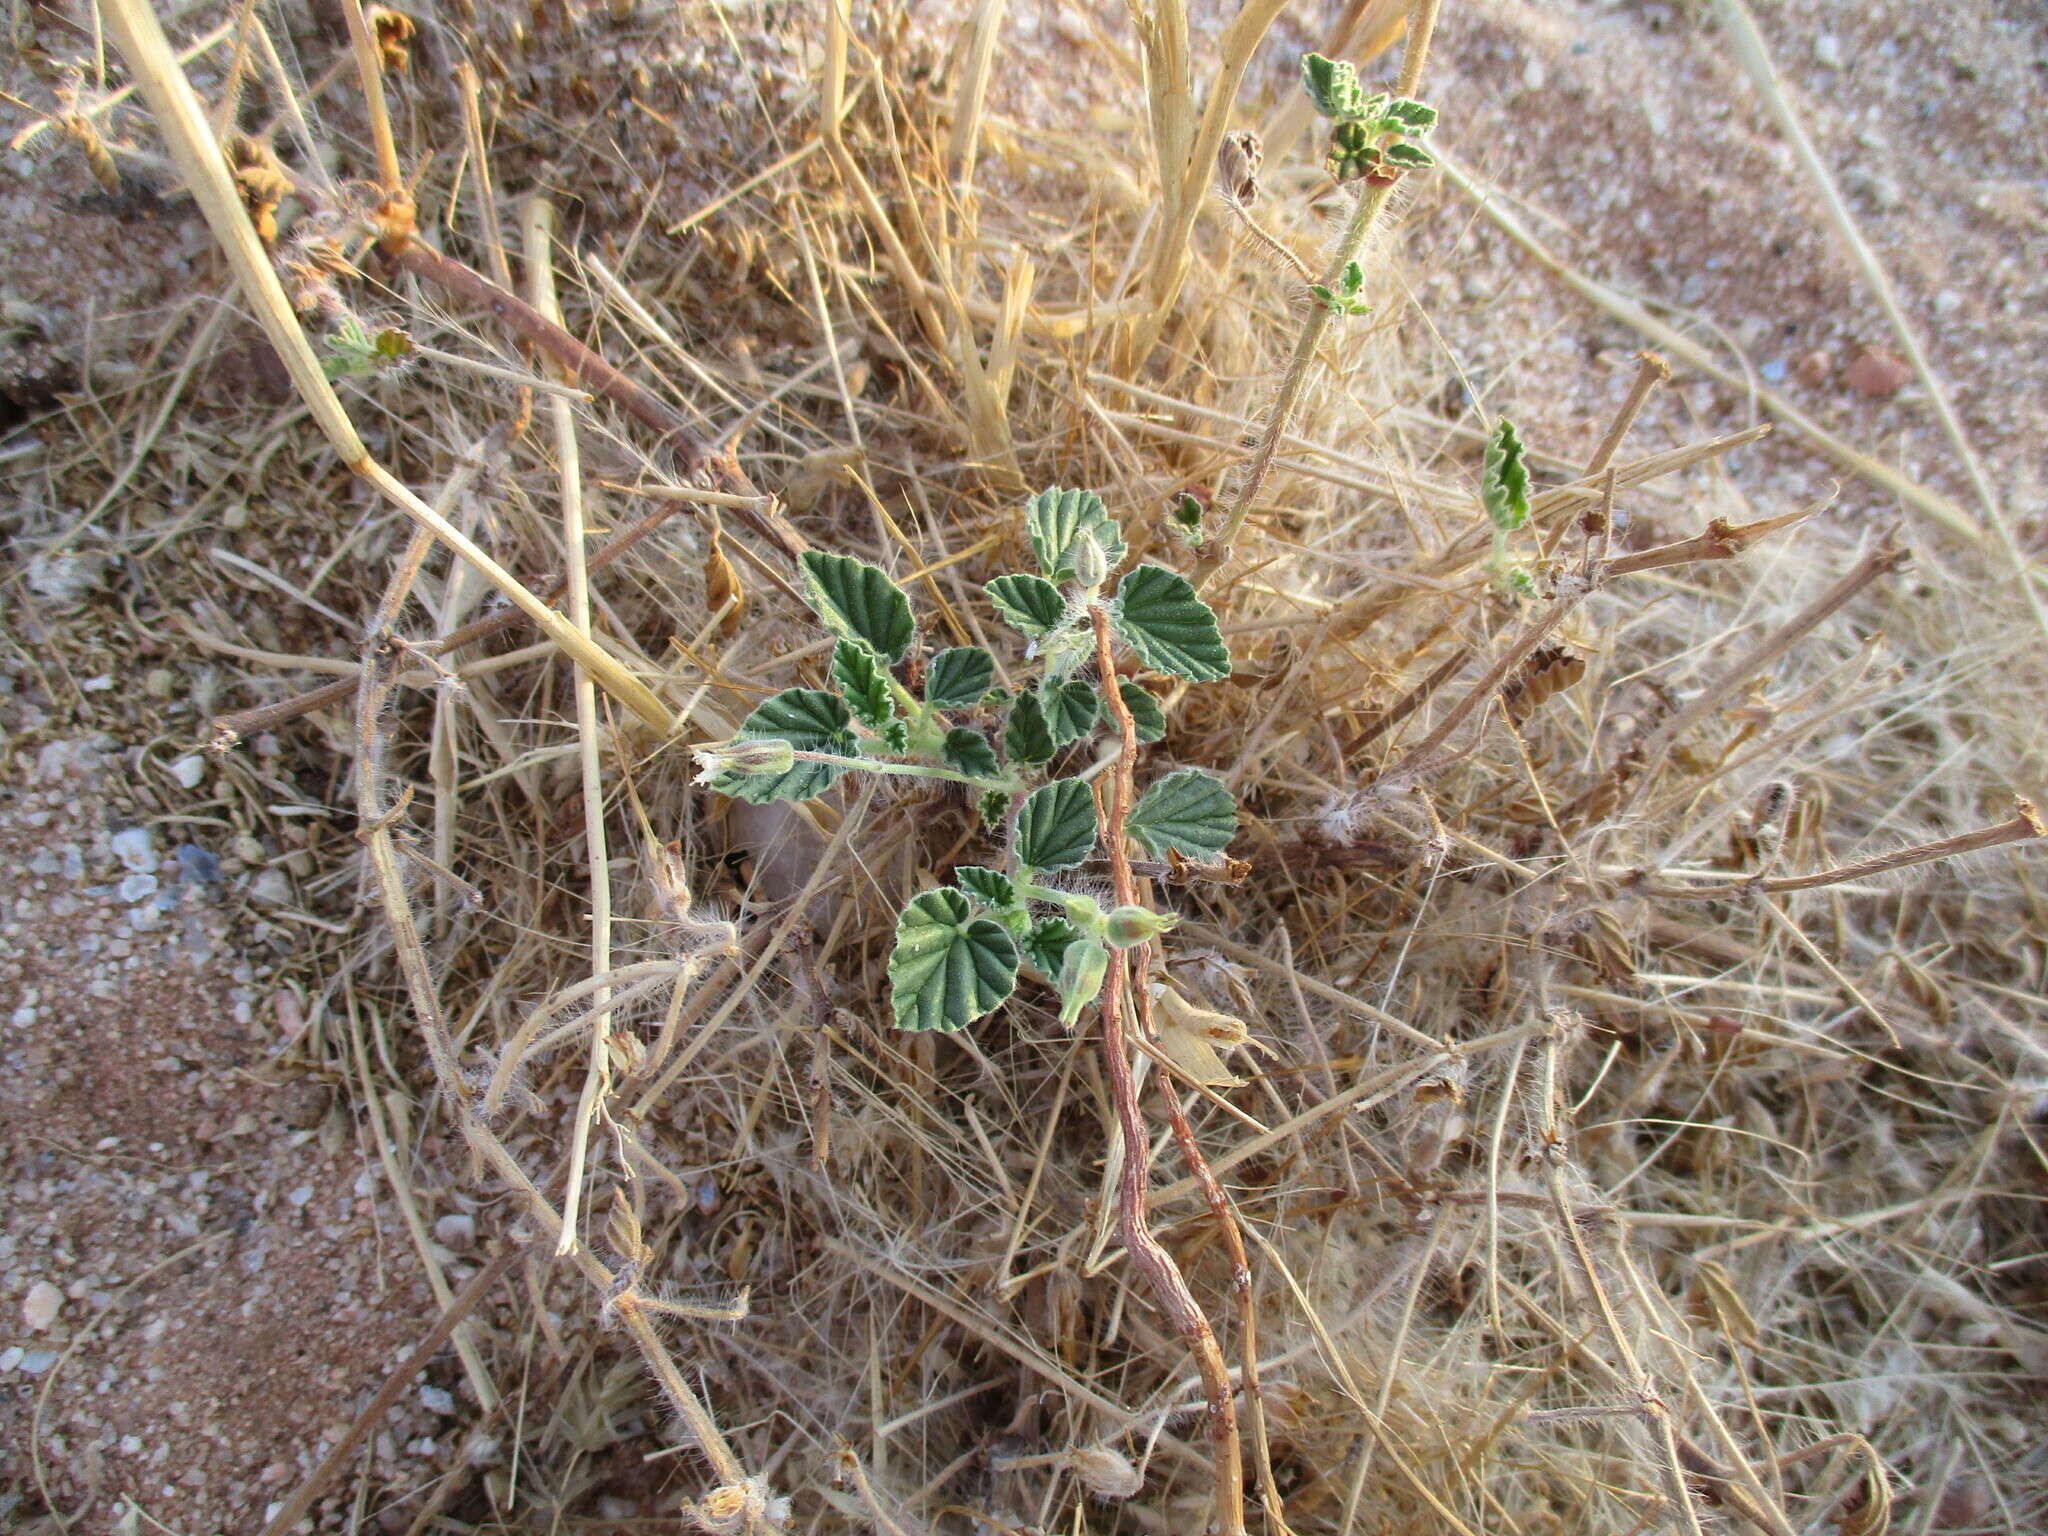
(1818, 1130)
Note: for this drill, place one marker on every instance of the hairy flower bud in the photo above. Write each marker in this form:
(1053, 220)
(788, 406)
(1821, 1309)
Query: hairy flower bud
(763, 754)
(1127, 926)
(1091, 565)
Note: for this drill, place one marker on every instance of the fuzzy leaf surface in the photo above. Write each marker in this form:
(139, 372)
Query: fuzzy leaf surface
(1031, 605)
(959, 678)
(1070, 710)
(1504, 482)
(1170, 628)
(966, 750)
(1045, 945)
(949, 967)
(1332, 86)
(1028, 736)
(859, 602)
(810, 720)
(1057, 827)
(1054, 519)
(1146, 714)
(863, 684)
(1190, 811)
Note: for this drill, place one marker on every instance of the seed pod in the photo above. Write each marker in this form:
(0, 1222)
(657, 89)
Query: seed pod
(1127, 926)
(1106, 1473)
(1091, 565)
(1081, 972)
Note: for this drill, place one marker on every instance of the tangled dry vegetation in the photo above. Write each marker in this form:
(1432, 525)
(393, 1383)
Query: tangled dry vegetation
(1641, 1125)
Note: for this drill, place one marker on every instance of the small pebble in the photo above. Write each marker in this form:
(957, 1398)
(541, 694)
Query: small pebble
(1814, 368)
(37, 1361)
(1827, 50)
(1773, 372)
(160, 683)
(189, 771)
(136, 849)
(1877, 373)
(137, 887)
(40, 1307)
(457, 1230)
(438, 1400)
(195, 863)
(10, 1358)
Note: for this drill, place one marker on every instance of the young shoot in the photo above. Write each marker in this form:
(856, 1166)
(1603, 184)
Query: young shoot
(1369, 135)
(960, 947)
(1504, 492)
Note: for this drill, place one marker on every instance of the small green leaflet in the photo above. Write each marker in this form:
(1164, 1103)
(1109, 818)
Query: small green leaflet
(1031, 605)
(1409, 157)
(1053, 518)
(863, 684)
(967, 751)
(1046, 944)
(959, 678)
(993, 806)
(1170, 628)
(1189, 810)
(1408, 115)
(1028, 738)
(1504, 483)
(949, 967)
(810, 720)
(1057, 827)
(1145, 712)
(987, 888)
(1070, 710)
(859, 602)
(1332, 86)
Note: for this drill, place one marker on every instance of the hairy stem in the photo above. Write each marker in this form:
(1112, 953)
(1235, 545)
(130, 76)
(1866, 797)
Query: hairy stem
(1371, 204)
(1169, 1285)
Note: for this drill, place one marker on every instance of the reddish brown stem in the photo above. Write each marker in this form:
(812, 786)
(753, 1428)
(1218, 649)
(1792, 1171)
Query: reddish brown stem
(1169, 1286)
(2025, 826)
(582, 364)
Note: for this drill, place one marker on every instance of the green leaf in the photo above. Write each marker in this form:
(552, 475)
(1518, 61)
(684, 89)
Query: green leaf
(959, 678)
(863, 684)
(1028, 738)
(1057, 827)
(967, 751)
(810, 720)
(987, 888)
(1146, 714)
(1030, 605)
(1409, 157)
(1053, 519)
(896, 737)
(1045, 945)
(1332, 86)
(1189, 810)
(1070, 710)
(1170, 628)
(858, 601)
(949, 967)
(1504, 482)
(993, 807)
(1408, 115)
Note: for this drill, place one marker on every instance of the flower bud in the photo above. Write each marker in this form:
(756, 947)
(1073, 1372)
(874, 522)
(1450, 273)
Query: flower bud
(1081, 973)
(760, 754)
(1136, 925)
(1091, 565)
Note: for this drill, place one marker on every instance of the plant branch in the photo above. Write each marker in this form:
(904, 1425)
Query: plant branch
(1169, 1286)
(2024, 826)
